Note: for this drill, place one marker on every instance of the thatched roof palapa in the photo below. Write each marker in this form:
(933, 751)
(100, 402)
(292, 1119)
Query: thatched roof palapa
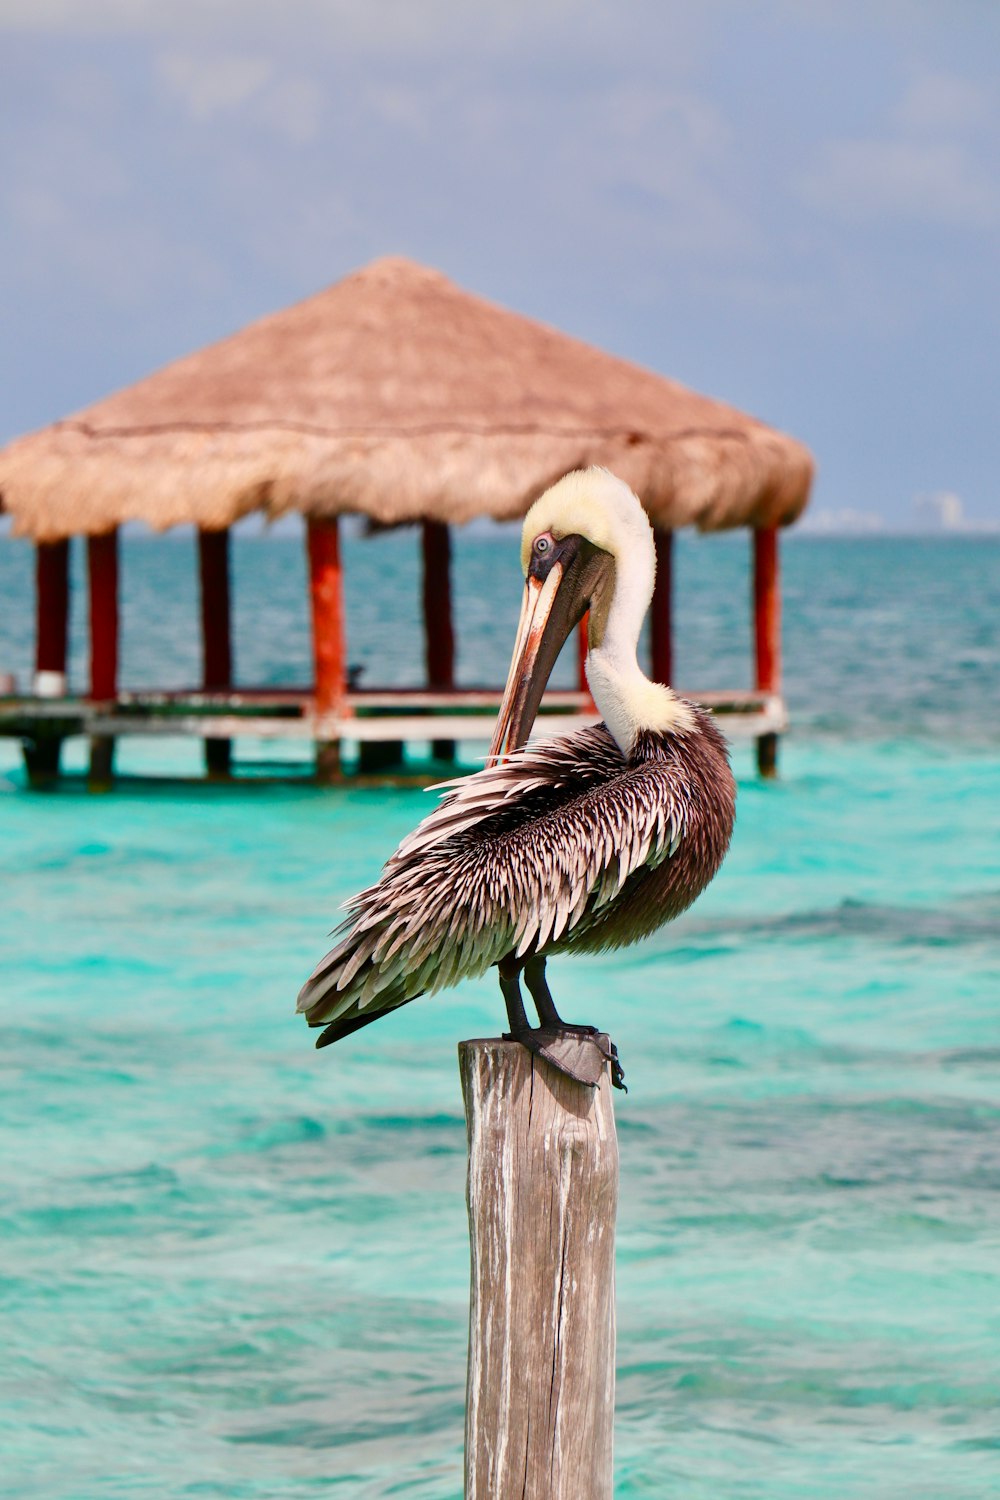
(397, 395)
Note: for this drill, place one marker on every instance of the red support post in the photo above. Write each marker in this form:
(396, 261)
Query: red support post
(582, 648)
(51, 612)
(767, 609)
(661, 635)
(43, 749)
(439, 633)
(329, 654)
(102, 577)
(216, 634)
(767, 633)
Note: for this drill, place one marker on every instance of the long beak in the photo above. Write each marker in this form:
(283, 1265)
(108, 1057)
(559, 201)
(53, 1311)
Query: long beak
(547, 617)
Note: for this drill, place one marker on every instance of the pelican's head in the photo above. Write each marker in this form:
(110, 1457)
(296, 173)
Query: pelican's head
(585, 544)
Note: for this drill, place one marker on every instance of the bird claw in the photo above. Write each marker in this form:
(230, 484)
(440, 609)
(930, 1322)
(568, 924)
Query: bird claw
(581, 1053)
(617, 1071)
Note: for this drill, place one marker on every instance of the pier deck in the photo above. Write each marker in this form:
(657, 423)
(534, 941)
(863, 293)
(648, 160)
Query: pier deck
(371, 717)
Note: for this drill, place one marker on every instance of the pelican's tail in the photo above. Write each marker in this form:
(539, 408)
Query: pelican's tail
(339, 1029)
(439, 912)
(355, 984)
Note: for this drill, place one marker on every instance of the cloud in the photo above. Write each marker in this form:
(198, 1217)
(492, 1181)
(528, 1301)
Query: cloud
(658, 164)
(948, 509)
(943, 103)
(677, 119)
(933, 165)
(379, 27)
(207, 87)
(926, 183)
(400, 106)
(294, 108)
(846, 522)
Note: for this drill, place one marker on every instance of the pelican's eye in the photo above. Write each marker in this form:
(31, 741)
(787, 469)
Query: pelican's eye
(543, 545)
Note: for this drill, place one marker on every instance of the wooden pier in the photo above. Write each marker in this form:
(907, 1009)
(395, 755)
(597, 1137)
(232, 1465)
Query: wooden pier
(332, 712)
(379, 723)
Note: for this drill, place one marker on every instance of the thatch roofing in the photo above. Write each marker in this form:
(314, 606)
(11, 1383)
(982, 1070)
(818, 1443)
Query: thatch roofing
(398, 395)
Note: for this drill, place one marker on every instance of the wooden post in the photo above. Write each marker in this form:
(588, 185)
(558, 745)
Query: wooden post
(582, 647)
(438, 628)
(51, 617)
(42, 753)
(329, 653)
(767, 633)
(216, 635)
(661, 635)
(102, 580)
(543, 1196)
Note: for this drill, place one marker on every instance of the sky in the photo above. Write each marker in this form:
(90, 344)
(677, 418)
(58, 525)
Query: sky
(792, 206)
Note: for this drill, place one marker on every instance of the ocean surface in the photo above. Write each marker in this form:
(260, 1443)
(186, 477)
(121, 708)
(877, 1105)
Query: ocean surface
(231, 1266)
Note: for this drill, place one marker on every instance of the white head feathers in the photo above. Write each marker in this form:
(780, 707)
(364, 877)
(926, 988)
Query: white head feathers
(594, 504)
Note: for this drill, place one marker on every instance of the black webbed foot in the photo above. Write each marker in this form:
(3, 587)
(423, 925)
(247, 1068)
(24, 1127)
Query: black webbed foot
(580, 1052)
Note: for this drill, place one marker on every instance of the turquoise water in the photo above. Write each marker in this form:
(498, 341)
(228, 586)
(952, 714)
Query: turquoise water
(231, 1266)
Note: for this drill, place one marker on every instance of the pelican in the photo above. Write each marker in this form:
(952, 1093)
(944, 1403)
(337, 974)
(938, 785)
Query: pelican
(585, 842)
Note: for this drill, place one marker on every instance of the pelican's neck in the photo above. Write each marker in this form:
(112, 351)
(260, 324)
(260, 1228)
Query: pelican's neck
(625, 697)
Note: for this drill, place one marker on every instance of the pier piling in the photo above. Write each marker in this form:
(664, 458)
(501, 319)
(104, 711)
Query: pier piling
(543, 1198)
(767, 635)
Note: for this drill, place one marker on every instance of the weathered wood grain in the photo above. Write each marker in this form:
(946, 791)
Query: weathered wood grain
(543, 1196)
